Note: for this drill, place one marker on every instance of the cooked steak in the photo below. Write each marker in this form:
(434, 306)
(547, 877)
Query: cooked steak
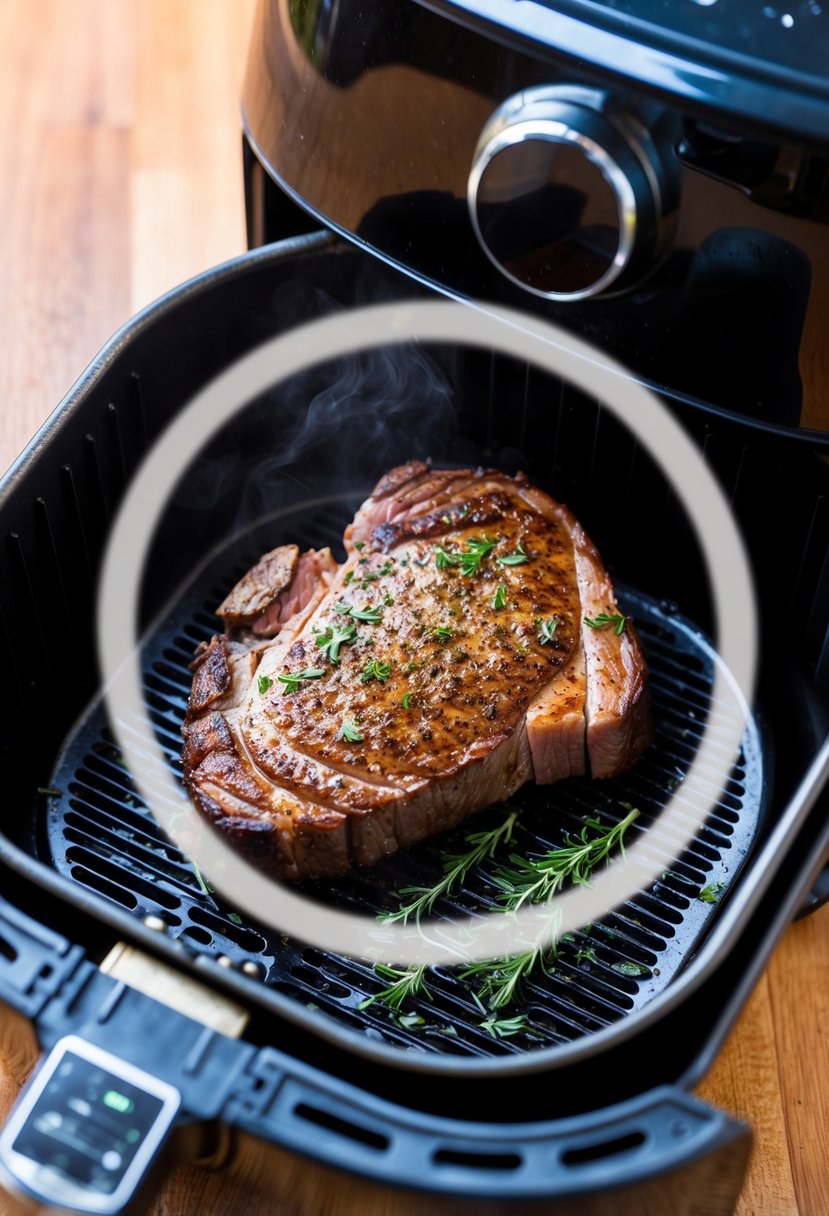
(471, 641)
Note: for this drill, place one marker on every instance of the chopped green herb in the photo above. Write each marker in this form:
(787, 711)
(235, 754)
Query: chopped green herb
(386, 567)
(235, 917)
(343, 608)
(263, 683)
(514, 559)
(587, 953)
(505, 1028)
(291, 680)
(605, 619)
(476, 551)
(406, 700)
(359, 545)
(349, 732)
(388, 600)
(349, 575)
(711, 893)
(409, 1020)
(376, 670)
(331, 639)
(499, 600)
(634, 970)
(546, 629)
(469, 559)
(444, 559)
(371, 615)
(48, 791)
(442, 632)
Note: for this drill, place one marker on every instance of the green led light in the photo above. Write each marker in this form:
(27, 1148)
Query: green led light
(119, 1102)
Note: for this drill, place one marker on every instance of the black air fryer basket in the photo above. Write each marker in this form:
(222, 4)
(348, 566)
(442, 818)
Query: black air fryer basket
(593, 1092)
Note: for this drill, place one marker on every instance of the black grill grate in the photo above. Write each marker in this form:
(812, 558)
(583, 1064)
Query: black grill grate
(101, 835)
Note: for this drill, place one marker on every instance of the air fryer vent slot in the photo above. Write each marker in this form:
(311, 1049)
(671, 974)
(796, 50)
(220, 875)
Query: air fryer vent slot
(101, 835)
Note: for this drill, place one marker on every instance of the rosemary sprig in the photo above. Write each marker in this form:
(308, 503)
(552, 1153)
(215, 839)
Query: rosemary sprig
(405, 984)
(514, 559)
(501, 977)
(456, 866)
(537, 879)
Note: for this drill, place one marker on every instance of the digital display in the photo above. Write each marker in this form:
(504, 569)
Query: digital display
(88, 1124)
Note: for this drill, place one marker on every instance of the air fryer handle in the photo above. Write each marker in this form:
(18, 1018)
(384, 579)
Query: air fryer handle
(662, 1132)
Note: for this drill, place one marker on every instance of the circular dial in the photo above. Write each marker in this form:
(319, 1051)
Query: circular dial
(566, 194)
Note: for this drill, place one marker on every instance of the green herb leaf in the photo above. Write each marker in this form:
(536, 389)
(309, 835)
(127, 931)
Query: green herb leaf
(442, 632)
(376, 670)
(476, 551)
(235, 918)
(405, 984)
(359, 545)
(505, 1028)
(604, 621)
(349, 732)
(634, 970)
(263, 683)
(371, 615)
(444, 559)
(469, 559)
(455, 869)
(406, 700)
(711, 893)
(349, 575)
(331, 639)
(499, 600)
(538, 879)
(514, 559)
(291, 680)
(546, 629)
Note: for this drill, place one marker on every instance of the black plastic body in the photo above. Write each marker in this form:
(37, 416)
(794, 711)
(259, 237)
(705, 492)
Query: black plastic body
(56, 507)
(732, 314)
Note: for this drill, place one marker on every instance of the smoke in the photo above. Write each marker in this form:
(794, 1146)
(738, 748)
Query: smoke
(332, 430)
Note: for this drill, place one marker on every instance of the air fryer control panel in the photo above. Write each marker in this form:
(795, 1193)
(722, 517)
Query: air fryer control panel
(86, 1129)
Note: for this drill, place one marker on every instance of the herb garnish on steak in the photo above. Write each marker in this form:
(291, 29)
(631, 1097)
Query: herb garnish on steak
(351, 710)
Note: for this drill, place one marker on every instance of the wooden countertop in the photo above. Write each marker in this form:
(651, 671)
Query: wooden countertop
(120, 176)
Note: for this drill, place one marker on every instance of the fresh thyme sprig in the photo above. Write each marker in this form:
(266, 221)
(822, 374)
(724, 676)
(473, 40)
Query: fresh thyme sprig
(377, 669)
(405, 984)
(456, 866)
(537, 879)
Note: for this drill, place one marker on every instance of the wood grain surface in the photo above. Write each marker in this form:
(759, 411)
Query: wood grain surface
(120, 176)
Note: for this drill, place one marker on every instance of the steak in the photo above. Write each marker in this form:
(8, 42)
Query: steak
(470, 642)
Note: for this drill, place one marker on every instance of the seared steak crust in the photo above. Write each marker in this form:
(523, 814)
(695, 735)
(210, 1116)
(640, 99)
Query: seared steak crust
(442, 666)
